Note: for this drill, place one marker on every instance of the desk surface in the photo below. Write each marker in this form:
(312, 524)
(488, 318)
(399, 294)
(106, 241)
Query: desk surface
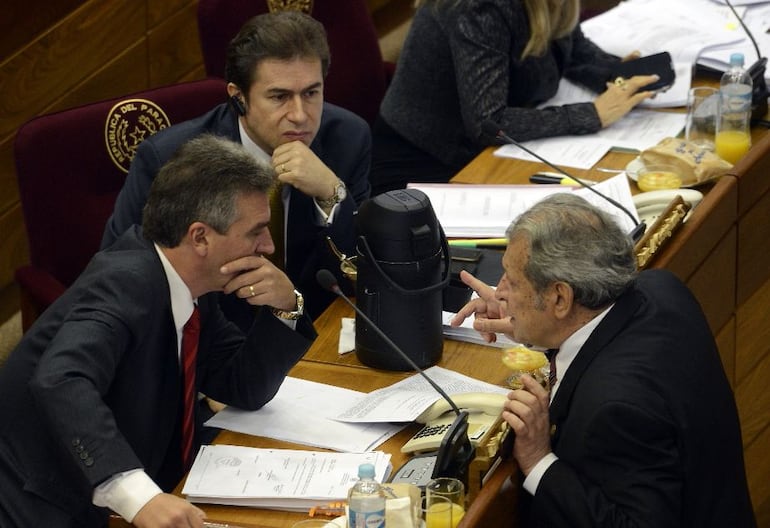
(323, 364)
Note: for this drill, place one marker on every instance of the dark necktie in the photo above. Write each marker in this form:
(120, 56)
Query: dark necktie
(190, 335)
(551, 355)
(277, 225)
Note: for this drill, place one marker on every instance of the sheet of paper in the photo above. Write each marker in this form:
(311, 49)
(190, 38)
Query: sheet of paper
(580, 152)
(652, 26)
(301, 407)
(641, 129)
(465, 332)
(757, 18)
(481, 210)
(405, 400)
(619, 190)
(282, 479)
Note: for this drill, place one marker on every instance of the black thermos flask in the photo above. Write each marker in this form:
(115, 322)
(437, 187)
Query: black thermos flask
(403, 267)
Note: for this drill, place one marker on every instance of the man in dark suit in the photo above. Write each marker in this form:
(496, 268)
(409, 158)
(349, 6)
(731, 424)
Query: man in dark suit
(640, 427)
(275, 70)
(91, 403)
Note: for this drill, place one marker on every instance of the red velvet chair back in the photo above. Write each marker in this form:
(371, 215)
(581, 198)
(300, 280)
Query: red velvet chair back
(70, 167)
(357, 76)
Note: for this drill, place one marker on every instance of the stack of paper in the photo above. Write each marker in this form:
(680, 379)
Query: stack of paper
(465, 332)
(279, 479)
(488, 210)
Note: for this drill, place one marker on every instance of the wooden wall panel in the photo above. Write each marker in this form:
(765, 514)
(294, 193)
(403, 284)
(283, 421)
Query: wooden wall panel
(705, 226)
(116, 78)
(160, 10)
(20, 24)
(713, 284)
(76, 52)
(174, 48)
(14, 247)
(753, 255)
(726, 343)
(752, 344)
(9, 189)
(58, 61)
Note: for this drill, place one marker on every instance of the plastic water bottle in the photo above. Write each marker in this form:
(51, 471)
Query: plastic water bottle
(733, 137)
(366, 501)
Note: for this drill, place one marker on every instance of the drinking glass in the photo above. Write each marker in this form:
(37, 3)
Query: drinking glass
(702, 113)
(451, 489)
(437, 512)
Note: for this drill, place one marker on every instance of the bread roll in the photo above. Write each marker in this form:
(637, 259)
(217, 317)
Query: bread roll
(522, 360)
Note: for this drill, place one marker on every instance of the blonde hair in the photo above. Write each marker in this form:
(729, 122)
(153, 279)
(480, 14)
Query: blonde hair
(548, 20)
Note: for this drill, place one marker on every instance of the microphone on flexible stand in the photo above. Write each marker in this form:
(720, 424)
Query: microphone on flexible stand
(456, 452)
(493, 130)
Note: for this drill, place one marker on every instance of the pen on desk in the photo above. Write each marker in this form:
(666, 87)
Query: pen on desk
(552, 177)
(478, 242)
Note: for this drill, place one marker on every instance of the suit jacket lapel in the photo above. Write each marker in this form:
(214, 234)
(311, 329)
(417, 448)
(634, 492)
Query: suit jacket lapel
(615, 321)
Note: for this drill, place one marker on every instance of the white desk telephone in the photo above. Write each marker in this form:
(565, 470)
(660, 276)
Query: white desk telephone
(483, 410)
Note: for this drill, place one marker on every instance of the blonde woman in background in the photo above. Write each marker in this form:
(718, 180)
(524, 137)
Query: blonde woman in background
(465, 61)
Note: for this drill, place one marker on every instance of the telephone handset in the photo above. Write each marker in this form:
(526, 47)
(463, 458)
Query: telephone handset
(483, 410)
(651, 204)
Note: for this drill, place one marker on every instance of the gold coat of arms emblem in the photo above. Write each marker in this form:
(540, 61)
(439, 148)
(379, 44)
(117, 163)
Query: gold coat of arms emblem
(128, 123)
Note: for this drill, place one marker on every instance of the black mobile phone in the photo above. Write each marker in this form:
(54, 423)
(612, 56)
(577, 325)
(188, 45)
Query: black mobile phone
(659, 63)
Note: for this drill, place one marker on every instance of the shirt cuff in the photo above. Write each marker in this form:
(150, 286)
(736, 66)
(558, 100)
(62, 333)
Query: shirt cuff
(533, 479)
(126, 493)
(322, 217)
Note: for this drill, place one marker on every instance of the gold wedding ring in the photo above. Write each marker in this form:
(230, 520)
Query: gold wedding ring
(251, 289)
(620, 82)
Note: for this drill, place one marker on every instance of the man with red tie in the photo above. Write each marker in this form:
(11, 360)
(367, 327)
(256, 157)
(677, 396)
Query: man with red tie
(97, 403)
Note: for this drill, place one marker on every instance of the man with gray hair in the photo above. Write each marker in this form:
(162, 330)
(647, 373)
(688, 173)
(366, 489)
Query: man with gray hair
(640, 427)
(98, 401)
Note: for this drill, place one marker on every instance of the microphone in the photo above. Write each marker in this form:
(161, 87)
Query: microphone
(456, 452)
(493, 130)
(757, 72)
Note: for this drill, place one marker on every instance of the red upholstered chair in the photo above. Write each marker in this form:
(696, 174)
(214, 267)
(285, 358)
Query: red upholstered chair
(71, 165)
(357, 76)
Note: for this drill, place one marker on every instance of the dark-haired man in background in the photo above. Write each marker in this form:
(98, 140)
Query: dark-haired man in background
(275, 72)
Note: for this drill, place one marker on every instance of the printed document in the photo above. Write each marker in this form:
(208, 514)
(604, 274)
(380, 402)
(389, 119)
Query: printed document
(280, 479)
(303, 412)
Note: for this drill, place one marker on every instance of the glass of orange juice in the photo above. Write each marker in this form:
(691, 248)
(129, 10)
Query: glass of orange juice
(731, 145)
(451, 488)
(437, 512)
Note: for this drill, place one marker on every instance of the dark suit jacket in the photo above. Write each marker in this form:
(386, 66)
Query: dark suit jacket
(94, 387)
(343, 143)
(646, 428)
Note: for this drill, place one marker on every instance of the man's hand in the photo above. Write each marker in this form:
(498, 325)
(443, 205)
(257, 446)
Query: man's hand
(298, 166)
(169, 511)
(526, 411)
(488, 314)
(260, 282)
(620, 98)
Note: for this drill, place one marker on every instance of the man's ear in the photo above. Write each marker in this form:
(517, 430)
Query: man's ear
(563, 297)
(198, 236)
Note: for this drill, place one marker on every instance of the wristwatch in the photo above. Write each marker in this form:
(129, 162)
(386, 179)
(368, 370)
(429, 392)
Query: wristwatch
(340, 192)
(293, 315)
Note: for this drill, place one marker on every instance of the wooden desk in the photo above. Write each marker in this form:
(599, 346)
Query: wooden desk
(323, 364)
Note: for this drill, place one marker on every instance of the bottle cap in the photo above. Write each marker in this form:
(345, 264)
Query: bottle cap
(366, 471)
(736, 59)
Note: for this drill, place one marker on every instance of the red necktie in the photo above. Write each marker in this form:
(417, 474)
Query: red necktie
(190, 335)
